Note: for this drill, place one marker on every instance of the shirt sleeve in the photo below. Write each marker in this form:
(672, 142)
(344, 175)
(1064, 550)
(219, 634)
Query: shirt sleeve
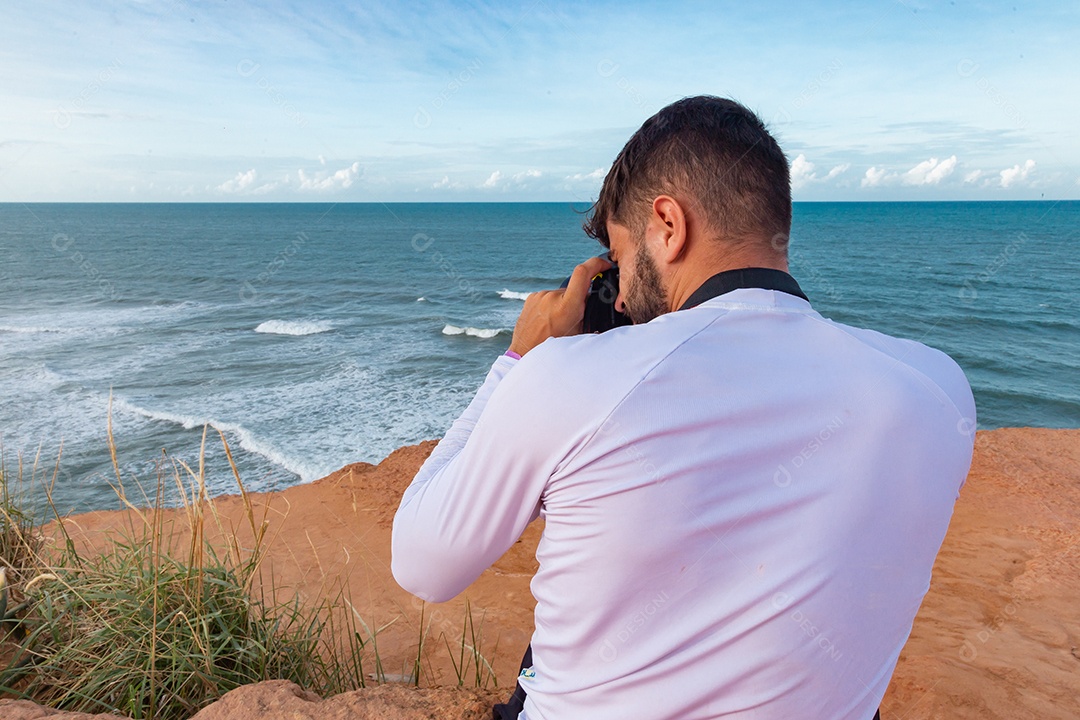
(473, 496)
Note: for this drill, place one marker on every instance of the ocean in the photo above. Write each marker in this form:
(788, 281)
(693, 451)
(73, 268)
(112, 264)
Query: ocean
(316, 335)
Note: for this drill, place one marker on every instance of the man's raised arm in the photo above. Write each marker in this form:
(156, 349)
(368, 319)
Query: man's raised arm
(482, 485)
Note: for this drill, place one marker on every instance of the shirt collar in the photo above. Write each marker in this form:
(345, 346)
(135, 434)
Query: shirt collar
(754, 277)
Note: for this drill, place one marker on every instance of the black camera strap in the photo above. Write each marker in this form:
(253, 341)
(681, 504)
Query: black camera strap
(754, 277)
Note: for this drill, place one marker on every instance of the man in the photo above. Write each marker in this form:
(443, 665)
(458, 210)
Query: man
(742, 499)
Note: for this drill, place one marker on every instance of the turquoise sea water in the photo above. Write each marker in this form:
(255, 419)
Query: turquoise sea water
(318, 335)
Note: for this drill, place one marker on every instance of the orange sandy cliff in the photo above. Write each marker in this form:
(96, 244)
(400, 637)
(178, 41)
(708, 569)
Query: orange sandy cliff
(998, 635)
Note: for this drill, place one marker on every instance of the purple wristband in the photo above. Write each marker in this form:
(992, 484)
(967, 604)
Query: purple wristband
(512, 354)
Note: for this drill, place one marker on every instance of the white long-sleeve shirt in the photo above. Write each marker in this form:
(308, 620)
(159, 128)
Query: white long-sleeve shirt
(742, 503)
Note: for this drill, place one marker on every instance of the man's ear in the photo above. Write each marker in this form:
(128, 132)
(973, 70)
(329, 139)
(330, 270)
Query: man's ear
(668, 228)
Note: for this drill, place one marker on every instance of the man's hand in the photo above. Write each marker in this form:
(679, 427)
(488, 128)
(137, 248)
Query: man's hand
(555, 313)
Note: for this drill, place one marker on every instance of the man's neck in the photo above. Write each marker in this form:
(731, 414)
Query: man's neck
(728, 280)
(686, 284)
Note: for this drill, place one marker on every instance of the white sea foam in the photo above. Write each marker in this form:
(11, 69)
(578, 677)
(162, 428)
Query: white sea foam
(475, 332)
(294, 327)
(248, 440)
(72, 320)
(513, 294)
(29, 329)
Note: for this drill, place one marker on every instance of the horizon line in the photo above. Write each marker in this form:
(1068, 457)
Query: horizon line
(483, 202)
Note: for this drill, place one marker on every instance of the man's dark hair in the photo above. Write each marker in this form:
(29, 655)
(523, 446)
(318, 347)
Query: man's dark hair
(707, 151)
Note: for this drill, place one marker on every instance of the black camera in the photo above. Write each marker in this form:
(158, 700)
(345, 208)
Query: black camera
(600, 312)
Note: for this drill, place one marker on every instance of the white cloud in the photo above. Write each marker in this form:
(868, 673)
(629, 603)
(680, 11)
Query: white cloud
(597, 174)
(802, 171)
(1016, 173)
(517, 181)
(238, 183)
(943, 170)
(838, 170)
(874, 176)
(322, 161)
(973, 176)
(265, 188)
(930, 172)
(446, 184)
(343, 178)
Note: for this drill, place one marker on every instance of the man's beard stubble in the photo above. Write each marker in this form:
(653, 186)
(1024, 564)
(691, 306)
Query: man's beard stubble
(646, 298)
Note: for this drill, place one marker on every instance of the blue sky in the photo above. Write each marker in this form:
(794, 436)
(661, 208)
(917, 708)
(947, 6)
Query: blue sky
(182, 100)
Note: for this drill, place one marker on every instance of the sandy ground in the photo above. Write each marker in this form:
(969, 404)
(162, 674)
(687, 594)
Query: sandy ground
(998, 635)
